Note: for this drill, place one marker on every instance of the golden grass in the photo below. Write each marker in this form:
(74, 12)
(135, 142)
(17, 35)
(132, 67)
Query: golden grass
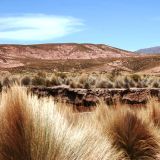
(39, 129)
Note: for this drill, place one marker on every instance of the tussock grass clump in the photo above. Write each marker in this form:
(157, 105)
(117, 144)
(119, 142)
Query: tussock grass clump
(87, 85)
(104, 84)
(156, 84)
(83, 78)
(67, 81)
(42, 74)
(135, 132)
(136, 77)
(15, 80)
(1, 86)
(6, 82)
(73, 84)
(86, 81)
(118, 84)
(61, 75)
(26, 81)
(38, 81)
(39, 129)
(55, 81)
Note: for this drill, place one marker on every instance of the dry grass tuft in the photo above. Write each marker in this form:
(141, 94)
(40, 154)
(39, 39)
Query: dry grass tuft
(39, 129)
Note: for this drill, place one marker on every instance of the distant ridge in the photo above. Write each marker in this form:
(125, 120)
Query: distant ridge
(152, 50)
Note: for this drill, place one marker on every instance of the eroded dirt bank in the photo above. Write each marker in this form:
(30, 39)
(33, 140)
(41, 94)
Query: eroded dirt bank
(85, 99)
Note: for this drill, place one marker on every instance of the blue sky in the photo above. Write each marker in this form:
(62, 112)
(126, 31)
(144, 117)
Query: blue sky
(127, 24)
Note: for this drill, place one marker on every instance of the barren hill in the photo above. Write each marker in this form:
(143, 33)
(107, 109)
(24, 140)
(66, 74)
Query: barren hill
(22, 55)
(72, 56)
(62, 51)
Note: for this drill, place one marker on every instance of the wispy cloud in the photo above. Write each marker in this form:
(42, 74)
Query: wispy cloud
(37, 27)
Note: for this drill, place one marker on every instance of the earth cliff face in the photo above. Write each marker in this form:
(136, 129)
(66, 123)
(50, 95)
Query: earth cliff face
(84, 99)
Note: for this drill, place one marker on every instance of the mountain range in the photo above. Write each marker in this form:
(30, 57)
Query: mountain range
(152, 50)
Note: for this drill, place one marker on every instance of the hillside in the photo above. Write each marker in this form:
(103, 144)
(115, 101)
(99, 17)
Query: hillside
(72, 56)
(62, 51)
(12, 56)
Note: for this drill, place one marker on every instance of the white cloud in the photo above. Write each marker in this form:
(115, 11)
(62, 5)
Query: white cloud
(37, 27)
